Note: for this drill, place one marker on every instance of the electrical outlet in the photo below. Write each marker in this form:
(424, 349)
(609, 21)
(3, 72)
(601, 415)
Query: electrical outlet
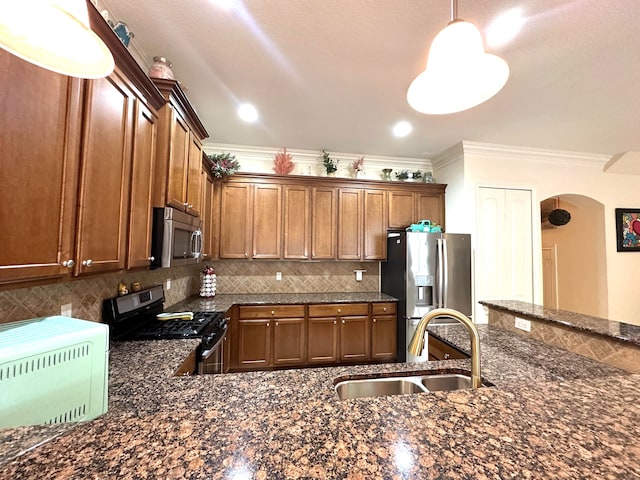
(168, 284)
(65, 310)
(278, 276)
(523, 324)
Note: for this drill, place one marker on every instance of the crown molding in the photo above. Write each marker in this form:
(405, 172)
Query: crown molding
(532, 154)
(449, 156)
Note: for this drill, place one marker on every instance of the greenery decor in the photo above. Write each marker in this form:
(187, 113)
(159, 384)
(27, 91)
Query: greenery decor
(417, 175)
(223, 164)
(330, 164)
(402, 175)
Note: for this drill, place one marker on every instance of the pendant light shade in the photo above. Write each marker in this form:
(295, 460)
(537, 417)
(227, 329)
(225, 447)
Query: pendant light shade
(56, 35)
(459, 74)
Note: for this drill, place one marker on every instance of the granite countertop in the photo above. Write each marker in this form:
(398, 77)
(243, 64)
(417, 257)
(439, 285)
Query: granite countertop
(601, 326)
(222, 302)
(550, 414)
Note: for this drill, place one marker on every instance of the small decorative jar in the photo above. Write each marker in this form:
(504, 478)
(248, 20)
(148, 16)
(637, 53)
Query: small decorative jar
(428, 178)
(386, 173)
(208, 283)
(161, 68)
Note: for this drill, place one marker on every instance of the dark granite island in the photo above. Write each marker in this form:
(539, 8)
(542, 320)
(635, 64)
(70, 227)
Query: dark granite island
(551, 414)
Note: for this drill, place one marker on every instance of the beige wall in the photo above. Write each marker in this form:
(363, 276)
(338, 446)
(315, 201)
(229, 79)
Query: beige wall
(581, 256)
(551, 173)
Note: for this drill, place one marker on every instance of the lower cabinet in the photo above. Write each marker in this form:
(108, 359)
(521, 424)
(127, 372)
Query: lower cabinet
(384, 331)
(270, 336)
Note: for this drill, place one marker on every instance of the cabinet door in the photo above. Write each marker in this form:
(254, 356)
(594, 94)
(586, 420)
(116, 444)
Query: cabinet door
(322, 341)
(178, 162)
(430, 207)
(296, 223)
(355, 338)
(141, 207)
(194, 177)
(235, 220)
(105, 175)
(375, 225)
(208, 217)
(267, 221)
(289, 341)
(383, 337)
(254, 343)
(349, 224)
(40, 114)
(323, 223)
(401, 209)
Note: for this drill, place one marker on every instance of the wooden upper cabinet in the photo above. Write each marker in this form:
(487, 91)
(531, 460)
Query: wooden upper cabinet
(40, 114)
(375, 225)
(179, 151)
(236, 220)
(141, 192)
(323, 223)
(349, 224)
(105, 173)
(209, 217)
(401, 209)
(178, 162)
(430, 207)
(267, 221)
(194, 177)
(296, 226)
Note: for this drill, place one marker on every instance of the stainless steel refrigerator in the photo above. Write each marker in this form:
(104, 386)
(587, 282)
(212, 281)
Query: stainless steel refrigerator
(425, 271)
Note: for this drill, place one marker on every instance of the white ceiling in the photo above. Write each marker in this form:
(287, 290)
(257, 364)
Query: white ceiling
(333, 74)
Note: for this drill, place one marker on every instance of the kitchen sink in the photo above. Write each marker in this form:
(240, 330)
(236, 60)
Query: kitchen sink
(401, 385)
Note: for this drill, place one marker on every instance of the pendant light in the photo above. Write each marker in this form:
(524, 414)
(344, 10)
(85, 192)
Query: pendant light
(459, 74)
(56, 35)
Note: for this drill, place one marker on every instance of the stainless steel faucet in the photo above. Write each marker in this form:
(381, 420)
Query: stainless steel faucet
(416, 345)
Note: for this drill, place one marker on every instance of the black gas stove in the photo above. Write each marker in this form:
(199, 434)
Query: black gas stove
(140, 316)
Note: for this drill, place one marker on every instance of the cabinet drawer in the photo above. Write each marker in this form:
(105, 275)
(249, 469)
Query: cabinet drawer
(272, 311)
(383, 308)
(338, 309)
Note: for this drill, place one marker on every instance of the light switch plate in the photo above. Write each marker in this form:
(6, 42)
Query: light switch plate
(523, 324)
(278, 276)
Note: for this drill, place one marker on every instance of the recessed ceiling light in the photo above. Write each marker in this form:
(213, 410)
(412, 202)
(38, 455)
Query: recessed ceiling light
(402, 129)
(504, 28)
(248, 112)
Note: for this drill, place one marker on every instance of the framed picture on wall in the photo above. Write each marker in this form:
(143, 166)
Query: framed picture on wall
(628, 229)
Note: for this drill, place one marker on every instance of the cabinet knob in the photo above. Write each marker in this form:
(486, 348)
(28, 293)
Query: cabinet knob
(342, 321)
(374, 320)
(68, 263)
(335, 322)
(384, 309)
(267, 324)
(151, 259)
(276, 324)
(339, 310)
(446, 356)
(272, 312)
(189, 205)
(87, 263)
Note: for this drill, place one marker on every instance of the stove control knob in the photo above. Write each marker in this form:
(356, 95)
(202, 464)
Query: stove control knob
(68, 263)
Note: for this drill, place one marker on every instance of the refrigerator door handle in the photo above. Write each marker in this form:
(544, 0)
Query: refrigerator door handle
(445, 275)
(440, 274)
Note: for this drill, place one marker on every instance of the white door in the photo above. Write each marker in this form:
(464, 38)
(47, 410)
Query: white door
(504, 256)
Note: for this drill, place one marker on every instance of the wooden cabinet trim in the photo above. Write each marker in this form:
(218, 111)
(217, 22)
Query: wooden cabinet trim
(271, 311)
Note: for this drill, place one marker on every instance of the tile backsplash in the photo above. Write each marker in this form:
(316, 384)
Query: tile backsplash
(233, 276)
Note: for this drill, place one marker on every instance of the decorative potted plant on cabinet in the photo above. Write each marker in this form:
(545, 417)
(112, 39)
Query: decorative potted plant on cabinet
(223, 165)
(283, 163)
(358, 167)
(330, 164)
(402, 175)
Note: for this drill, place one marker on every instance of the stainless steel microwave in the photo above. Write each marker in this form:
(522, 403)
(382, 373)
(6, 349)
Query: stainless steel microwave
(176, 239)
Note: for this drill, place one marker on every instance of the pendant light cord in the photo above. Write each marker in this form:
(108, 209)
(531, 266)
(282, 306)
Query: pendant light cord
(454, 9)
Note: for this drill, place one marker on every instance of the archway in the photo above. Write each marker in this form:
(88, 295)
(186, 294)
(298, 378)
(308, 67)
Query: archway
(574, 257)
